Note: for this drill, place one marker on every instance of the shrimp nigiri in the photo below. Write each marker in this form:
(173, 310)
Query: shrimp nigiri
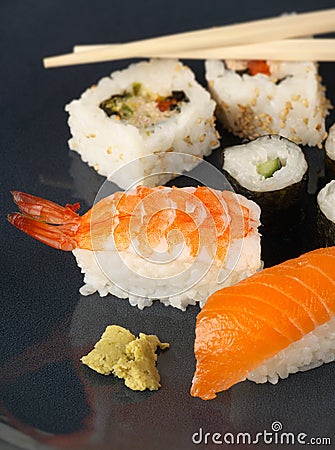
(173, 244)
(279, 321)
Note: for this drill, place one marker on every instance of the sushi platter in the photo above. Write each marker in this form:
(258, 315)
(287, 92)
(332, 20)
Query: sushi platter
(184, 187)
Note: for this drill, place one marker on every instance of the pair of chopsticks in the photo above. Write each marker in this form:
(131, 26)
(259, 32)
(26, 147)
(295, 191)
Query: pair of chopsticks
(277, 38)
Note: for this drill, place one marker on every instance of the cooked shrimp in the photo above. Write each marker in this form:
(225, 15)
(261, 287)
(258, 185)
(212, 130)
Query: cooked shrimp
(160, 240)
(62, 228)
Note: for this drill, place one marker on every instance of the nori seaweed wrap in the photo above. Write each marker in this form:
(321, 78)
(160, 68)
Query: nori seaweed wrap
(272, 171)
(326, 215)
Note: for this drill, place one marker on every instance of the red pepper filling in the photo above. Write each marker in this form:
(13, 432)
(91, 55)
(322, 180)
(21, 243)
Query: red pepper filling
(258, 66)
(171, 102)
(165, 105)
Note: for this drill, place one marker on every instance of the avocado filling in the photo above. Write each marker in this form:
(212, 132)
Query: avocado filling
(142, 108)
(268, 168)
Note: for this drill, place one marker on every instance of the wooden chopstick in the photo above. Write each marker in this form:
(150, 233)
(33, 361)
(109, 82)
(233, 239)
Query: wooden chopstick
(282, 50)
(90, 47)
(276, 28)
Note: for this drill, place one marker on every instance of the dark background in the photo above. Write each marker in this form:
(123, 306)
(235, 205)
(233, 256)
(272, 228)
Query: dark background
(48, 400)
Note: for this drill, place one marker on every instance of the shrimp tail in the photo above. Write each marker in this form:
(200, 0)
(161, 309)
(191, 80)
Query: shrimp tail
(45, 210)
(52, 224)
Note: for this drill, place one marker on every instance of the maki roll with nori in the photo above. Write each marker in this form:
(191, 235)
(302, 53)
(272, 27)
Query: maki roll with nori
(272, 171)
(326, 215)
(330, 154)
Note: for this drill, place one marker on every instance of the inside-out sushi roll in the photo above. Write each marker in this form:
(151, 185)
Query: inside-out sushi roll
(152, 107)
(266, 97)
(326, 215)
(272, 171)
(177, 245)
(277, 322)
(330, 153)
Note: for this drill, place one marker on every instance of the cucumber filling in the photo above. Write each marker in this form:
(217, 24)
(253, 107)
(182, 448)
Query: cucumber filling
(268, 168)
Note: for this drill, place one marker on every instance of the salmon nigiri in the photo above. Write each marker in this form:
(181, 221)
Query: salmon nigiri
(173, 244)
(279, 321)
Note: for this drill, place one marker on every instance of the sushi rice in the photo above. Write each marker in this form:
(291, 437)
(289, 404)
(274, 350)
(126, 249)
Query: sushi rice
(326, 215)
(147, 285)
(313, 350)
(290, 101)
(326, 201)
(176, 245)
(277, 322)
(241, 163)
(108, 143)
(330, 143)
(271, 171)
(330, 154)
(180, 280)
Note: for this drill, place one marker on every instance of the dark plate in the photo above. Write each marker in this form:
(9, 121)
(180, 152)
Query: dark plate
(48, 399)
